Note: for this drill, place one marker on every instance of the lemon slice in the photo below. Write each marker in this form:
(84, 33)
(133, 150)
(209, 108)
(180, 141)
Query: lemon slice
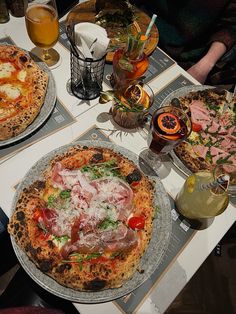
(190, 184)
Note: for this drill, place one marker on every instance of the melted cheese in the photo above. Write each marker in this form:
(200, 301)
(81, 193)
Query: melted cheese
(193, 136)
(6, 69)
(11, 91)
(22, 75)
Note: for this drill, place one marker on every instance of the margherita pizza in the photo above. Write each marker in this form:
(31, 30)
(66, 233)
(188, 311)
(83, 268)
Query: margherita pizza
(23, 87)
(213, 137)
(88, 220)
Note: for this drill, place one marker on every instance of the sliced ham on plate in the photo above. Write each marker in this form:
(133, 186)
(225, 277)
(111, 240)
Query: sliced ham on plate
(217, 154)
(200, 150)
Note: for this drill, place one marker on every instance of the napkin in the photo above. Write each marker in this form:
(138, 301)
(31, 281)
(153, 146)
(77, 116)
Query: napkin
(91, 40)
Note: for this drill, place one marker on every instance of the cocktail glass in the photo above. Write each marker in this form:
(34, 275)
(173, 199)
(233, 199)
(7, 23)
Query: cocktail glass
(169, 127)
(42, 25)
(129, 63)
(205, 194)
(131, 107)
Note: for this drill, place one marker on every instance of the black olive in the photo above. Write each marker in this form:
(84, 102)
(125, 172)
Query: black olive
(175, 102)
(134, 176)
(97, 157)
(23, 59)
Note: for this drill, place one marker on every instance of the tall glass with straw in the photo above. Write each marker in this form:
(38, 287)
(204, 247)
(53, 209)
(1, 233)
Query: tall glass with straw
(130, 63)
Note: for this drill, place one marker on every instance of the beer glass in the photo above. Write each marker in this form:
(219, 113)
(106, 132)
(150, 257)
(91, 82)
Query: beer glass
(42, 25)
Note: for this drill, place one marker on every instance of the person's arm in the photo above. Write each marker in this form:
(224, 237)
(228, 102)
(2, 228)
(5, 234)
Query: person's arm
(201, 69)
(221, 40)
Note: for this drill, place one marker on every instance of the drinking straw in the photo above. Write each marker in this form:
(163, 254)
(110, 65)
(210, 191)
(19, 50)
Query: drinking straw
(220, 181)
(150, 25)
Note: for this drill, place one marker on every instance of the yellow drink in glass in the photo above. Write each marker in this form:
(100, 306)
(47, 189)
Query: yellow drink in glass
(196, 203)
(42, 25)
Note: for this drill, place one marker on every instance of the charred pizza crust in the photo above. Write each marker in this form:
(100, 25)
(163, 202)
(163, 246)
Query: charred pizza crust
(17, 114)
(193, 162)
(91, 274)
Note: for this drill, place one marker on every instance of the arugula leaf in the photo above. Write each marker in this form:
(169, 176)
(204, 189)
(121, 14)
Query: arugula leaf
(116, 254)
(51, 200)
(108, 224)
(103, 169)
(200, 138)
(92, 255)
(42, 226)
(223, 160)
(79, 257)
(65, 194)
(60, 240)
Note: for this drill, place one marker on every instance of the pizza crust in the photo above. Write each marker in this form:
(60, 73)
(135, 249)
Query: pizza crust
(24, 116)
(194, 163)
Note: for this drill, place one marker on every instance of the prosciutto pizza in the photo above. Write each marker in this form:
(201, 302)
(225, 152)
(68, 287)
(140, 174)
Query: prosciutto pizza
(88, 220)
(23, 88)
(213, 137)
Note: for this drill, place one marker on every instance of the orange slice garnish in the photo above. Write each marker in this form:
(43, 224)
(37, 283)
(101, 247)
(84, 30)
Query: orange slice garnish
(137, 95)
(168, 123)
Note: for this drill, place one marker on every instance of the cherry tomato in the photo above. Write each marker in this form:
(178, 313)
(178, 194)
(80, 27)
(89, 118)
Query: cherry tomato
(134, 184)
(136, 222)
(196, 127)
(44, 236)
(37, 214)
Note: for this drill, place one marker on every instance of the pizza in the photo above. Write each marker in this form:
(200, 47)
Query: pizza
(213, 137)
(23, 88)
(88, 220)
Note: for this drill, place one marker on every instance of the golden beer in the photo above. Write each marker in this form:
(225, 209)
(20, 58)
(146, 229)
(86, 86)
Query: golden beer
(42, 25)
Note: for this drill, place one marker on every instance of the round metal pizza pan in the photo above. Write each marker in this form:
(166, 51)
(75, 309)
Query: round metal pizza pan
(46, 109)
(151, 259)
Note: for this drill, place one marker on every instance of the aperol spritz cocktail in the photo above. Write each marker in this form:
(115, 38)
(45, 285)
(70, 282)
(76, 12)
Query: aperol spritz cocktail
(130, 63)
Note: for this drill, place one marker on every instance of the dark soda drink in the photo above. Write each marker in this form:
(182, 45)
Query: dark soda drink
(169, 126)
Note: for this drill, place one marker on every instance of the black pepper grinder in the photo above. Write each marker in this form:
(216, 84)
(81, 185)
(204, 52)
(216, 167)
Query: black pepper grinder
(17, 7)
(4, 14)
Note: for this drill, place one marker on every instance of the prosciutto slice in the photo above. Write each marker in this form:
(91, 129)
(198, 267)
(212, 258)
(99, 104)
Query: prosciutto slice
(91, 203)
(119, 240)
(116, 192)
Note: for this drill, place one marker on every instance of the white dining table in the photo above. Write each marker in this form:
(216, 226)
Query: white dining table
(85, 115)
